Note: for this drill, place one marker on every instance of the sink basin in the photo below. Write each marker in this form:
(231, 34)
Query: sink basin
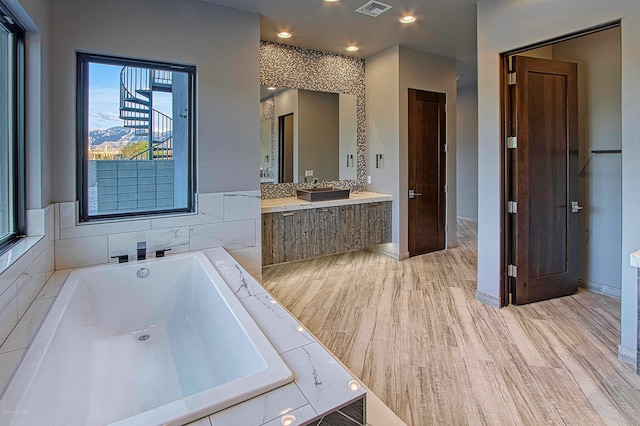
(322, 194)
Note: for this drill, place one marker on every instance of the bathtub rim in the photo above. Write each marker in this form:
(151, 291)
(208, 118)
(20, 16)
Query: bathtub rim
(177, 412)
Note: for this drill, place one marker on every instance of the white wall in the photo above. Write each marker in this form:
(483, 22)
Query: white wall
(467, 152)
(504, 25)
(223, 43)
(421, 71)
(600, 128)
(382, 82)
(389, 75)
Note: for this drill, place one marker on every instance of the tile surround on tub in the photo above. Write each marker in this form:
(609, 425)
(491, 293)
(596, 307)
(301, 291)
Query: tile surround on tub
(31, 281)
(229, 219)
(249, 258)
(177, 239)
(83, 251)
(241, 205)
(230, 235)
(8, 311)
(25, 268)
(258, 411)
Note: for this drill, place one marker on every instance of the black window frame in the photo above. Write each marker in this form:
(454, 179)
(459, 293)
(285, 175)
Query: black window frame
(17, 161)
(83, 59)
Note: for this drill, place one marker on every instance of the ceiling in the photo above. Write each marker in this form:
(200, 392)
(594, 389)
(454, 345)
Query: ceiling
(442, 27)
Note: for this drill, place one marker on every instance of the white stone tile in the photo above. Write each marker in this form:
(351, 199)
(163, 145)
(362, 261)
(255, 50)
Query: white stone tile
(219, 257)
(320, 377)
(54, 284)
(56, 221)
(8, 311)
(35, 222)
(261, 409)
(241, 205)
(202, 422)
(249, 258)
(237, 278)
(93, 229)
(210, 210)
(31, 281)
(8, 365)
(15, 260)
(77, 252)
(230, 235)
(23, 334)
(283, 330)
(49, 222)
(67, 215)
(177, 239)
(295, 417)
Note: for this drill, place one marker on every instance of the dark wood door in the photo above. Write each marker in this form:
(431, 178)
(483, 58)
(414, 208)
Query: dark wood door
(427, 171)
(545, 108)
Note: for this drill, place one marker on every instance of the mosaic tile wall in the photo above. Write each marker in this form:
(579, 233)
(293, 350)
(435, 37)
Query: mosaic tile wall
(299, 68)
(268, 113)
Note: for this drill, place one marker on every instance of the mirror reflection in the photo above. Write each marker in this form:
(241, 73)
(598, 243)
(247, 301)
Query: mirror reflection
(307, 136)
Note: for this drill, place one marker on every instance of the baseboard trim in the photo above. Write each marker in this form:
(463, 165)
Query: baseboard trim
(627, 355)
(452, 244)
(387, 250)
(599, 288)
(488, 299)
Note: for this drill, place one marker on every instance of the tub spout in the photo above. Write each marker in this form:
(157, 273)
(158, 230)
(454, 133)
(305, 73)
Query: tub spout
(142, 250)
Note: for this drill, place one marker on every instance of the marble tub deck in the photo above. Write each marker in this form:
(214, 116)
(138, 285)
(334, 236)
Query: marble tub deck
(321, 383)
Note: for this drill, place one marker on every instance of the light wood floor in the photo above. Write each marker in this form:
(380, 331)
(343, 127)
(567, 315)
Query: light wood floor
(413, 332)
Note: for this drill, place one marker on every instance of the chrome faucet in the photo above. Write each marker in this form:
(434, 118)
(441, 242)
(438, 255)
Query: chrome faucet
(142, 250)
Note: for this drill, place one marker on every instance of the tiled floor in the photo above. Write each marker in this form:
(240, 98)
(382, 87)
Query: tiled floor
(413, 332)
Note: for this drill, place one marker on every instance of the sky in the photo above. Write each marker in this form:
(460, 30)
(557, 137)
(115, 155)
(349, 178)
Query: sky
(104, 97)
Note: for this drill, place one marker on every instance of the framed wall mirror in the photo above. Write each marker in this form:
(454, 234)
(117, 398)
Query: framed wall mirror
(307, 135)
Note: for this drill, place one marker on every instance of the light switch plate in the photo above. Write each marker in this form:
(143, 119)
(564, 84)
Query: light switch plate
(369, 180)
(308, 173)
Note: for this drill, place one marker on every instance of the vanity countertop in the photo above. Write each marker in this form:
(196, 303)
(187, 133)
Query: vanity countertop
(292, 203)
(635, 257)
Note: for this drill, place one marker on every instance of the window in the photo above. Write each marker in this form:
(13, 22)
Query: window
(135, 137)
(12, 178)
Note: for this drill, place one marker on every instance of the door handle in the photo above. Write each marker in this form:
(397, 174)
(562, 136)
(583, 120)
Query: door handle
(412, 193)
(575, 207)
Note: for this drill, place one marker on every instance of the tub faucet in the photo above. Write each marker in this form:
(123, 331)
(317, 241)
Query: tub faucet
(142, 250)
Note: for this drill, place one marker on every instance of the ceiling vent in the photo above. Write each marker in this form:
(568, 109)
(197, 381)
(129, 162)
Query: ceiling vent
(373, 8)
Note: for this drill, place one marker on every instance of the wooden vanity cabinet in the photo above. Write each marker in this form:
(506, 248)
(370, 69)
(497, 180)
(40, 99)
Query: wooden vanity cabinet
(306, 233)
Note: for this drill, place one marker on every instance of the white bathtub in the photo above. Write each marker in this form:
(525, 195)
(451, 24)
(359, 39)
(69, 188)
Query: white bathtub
(165, 349)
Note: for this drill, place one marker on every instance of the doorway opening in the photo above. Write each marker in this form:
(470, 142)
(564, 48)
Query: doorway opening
(597, 54)
(285, 148)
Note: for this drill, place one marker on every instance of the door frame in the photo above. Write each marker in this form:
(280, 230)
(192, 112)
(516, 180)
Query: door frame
(505, 129)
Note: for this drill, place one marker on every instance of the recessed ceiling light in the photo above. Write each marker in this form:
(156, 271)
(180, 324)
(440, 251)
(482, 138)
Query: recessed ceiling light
(331, 1)
(271, 88)
(352, 48)
(284, 34)
(407, 19)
